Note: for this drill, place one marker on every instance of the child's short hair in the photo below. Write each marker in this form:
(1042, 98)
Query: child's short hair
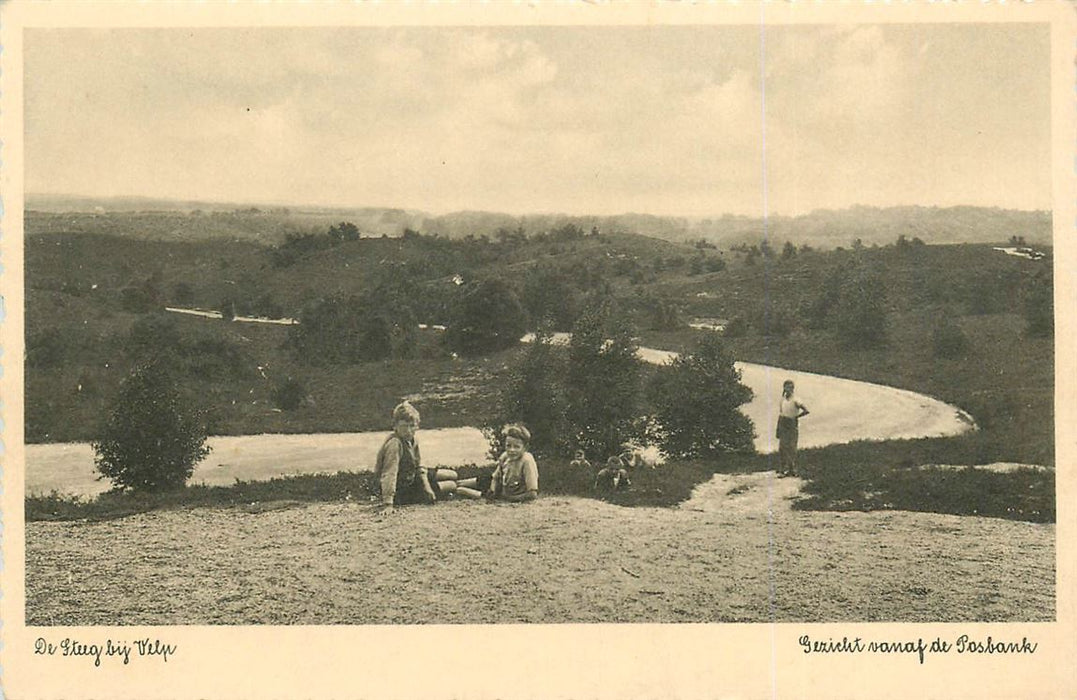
(614, 462)
(404, 411)
(515, 430)
(787, 384)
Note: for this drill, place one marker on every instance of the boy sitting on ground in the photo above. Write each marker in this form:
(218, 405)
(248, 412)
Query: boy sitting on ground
(516, 476)
(401, 476)
(613, 477)
(580, 462)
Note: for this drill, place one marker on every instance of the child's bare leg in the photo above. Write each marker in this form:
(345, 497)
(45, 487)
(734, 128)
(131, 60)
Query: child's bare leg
(471, 483)
(446, 474)
(466, 492)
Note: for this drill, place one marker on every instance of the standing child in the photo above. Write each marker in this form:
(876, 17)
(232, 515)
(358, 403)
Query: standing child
(790, 411)
(516, 476)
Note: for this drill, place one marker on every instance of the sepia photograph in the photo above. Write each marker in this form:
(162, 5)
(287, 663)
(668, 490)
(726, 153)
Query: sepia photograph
(460, 327)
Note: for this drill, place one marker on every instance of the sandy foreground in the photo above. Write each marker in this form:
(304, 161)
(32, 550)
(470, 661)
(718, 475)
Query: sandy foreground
(735, 551)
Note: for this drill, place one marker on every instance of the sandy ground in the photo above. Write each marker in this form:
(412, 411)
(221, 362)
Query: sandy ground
(735, 551)
(842, 410)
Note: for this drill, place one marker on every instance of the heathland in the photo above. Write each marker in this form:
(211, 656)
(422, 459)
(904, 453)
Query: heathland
(962, 323)
(385, 317)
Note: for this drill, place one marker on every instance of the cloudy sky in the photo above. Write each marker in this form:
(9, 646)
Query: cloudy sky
(664, 120)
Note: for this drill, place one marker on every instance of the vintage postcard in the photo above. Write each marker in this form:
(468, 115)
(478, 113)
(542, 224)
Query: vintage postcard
(538, 349)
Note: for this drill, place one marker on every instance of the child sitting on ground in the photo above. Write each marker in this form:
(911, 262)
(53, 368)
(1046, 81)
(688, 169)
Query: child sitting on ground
(612, 477)
(580, 462)
(401, 477)
(516, 476)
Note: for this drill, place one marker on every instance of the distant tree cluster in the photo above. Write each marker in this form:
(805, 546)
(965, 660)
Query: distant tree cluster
(358, 328)
(297, 246)
(852, 303)
(488, 317)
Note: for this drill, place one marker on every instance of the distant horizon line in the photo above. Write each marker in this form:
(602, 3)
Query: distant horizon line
(235, 205)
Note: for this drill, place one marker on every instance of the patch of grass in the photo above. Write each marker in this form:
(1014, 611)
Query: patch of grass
(1024, 494)
(666, 485)
(891, 475)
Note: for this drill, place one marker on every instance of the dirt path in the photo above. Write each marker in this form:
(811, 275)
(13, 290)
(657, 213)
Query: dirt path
(735, 551)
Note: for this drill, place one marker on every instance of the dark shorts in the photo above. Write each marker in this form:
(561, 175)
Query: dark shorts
(414, 493)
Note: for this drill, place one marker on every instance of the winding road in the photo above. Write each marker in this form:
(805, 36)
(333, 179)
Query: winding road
(842, 410)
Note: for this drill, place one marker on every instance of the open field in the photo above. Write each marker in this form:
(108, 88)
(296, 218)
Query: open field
(560, 559)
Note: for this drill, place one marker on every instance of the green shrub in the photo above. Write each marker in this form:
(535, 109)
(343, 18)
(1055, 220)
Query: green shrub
(348, 330)
(489, 317)
(697, 402)
(603, 381)
(153, 436)
(1039, 307)
(948, 340)
(289, 394)
(551, 298)
(860, 315)
(534, 395)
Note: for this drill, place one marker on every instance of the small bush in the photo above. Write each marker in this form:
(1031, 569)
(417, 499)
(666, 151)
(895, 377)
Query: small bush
(948, 340)
(736, 328)
(860, 316)
(1039, 308)
(152, 437)
(289, 394)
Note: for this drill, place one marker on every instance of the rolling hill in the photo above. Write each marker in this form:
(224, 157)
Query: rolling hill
(156, 219)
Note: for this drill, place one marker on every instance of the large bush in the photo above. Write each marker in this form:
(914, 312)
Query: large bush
(533, 394)
(551, 298)
(603, 381)
(488, 317)
(697, 402)
(153, 437)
